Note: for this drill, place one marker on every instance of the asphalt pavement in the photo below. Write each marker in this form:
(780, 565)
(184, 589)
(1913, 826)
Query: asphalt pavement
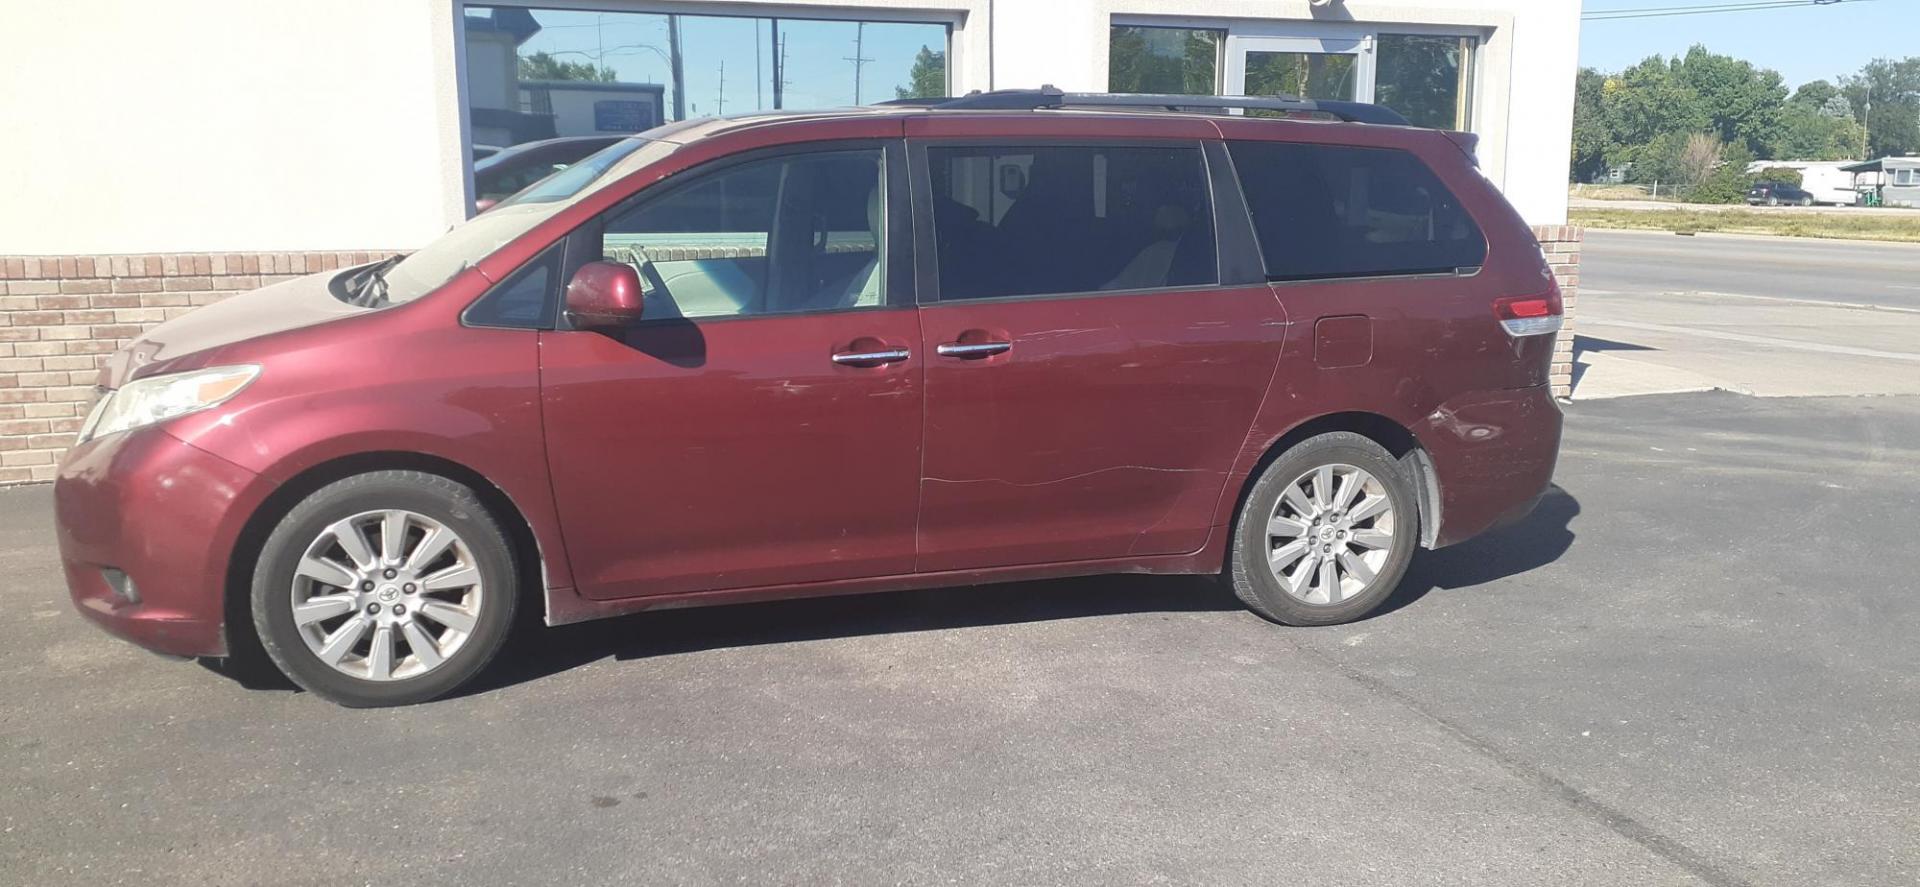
(1694, 664)
(1768, 316)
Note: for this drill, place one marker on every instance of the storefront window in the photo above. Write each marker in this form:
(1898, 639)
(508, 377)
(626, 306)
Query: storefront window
(1306, 75)
(1427, 79)
(1176, 61)
(534, 74)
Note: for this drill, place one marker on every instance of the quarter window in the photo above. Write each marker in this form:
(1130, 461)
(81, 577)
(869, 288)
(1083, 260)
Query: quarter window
(524, 299)
(1013, 221)
(1324, 211)
(773, 236)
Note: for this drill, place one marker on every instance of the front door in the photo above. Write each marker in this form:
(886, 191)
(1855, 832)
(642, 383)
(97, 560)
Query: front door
(1089, 381)
(762, 425)
(1332, 66)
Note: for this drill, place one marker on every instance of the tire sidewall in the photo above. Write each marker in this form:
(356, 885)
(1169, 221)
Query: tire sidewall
(435, 497)
(1251, 544)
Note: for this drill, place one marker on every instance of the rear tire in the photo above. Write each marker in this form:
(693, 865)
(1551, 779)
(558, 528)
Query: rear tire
(1326, 533)
(386, 588)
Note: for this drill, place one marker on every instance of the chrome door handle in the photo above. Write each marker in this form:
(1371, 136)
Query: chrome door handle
(973, 349)
(871, 358)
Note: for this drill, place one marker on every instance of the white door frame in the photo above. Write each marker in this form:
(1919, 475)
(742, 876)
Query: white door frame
(1316, 40)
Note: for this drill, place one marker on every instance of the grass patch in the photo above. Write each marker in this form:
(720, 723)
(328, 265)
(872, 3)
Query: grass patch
(1836, 226)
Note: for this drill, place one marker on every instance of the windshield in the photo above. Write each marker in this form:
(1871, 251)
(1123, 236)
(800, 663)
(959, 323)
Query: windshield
(426, 269)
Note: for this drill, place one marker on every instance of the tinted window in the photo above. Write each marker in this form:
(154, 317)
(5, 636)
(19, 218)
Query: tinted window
(787, 234)
(1012, 221)
(1332, 211)
(524, 299)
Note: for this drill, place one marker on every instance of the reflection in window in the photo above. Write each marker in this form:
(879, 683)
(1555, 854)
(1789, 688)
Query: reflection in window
(1427, 79)
(767, 237)
(1177, 61)
(535, 74)
(1305, 75)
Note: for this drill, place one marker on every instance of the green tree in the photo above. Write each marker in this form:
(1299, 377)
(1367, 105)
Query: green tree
(1805, 132)
(1894, 122)
(1742, 102)
(543, 66)
(927, 78)
(1163, 60)
(1592, 131)
(1815, 93)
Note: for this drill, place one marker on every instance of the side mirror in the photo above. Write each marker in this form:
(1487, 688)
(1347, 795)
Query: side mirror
(484, 204)
(604, 295)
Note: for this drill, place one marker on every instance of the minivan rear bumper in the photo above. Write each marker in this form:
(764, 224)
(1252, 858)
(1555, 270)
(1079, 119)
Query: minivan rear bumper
(145, 524)
(1493, 455)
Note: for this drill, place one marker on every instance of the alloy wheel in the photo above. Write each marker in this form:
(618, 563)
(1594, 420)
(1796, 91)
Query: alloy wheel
(1330, 534)
(386, 595)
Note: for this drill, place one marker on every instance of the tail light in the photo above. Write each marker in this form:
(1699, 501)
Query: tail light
(1530, 315)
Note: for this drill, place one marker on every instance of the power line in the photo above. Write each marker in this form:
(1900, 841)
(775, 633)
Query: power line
(1606, 15)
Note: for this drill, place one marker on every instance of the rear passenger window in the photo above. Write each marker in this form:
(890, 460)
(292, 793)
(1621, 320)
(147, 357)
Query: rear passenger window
(1016, 221)
(1325, 211)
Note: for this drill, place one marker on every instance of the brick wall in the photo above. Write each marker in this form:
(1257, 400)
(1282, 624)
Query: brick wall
(60, 316)
(1562, 244)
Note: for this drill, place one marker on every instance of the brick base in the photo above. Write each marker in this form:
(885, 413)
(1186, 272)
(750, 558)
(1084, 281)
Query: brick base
(1562, 244)
(60, 316)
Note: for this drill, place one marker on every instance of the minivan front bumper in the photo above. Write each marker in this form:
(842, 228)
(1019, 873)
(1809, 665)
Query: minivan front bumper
(146, 524)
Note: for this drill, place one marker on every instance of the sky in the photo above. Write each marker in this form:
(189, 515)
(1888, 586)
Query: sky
(1802, 43)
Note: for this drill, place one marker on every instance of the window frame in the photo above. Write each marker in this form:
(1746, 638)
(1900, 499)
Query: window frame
(1229, 272)
(897, 288)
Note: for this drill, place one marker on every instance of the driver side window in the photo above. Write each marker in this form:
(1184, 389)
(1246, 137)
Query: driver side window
(775, 236)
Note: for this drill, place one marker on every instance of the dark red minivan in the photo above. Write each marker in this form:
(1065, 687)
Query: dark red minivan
(1006, 336)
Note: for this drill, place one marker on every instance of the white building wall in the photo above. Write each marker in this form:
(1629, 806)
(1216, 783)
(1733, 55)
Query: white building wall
(227, 125)
(261, 125)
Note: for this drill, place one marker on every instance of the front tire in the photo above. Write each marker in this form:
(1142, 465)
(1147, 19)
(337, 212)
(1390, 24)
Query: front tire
(386, 588)
(1326, 533)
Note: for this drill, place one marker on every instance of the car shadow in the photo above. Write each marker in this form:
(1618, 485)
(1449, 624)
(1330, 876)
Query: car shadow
(1535, 542)
(537, 652)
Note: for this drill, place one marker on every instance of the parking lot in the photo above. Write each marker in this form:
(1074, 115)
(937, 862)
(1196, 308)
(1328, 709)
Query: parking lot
(1694, 664)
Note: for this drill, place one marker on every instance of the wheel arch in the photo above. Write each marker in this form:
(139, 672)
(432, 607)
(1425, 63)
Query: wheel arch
(1395, 438)
(530, 556)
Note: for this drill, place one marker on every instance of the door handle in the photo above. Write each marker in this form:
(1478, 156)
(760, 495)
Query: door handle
(871, 358)
(970, 350)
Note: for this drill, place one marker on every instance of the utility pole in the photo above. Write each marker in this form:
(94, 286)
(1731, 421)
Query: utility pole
(721, 103)
(677, 72)
(858, 60)
(757, 106)
(773, 52)
(1866, 126)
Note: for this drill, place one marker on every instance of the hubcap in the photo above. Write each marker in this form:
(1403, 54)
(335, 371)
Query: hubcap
(1330, 534)
(386, 595)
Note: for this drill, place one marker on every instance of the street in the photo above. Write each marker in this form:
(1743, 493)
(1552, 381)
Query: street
(1694, 664)
(1766, 316)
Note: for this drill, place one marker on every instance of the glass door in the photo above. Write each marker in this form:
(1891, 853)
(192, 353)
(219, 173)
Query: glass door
(1336, 67)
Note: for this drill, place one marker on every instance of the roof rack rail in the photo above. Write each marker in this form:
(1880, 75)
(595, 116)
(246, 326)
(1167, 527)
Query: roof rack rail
(1053, 97)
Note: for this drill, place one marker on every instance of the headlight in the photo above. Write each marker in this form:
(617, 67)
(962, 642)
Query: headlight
(159, 398)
